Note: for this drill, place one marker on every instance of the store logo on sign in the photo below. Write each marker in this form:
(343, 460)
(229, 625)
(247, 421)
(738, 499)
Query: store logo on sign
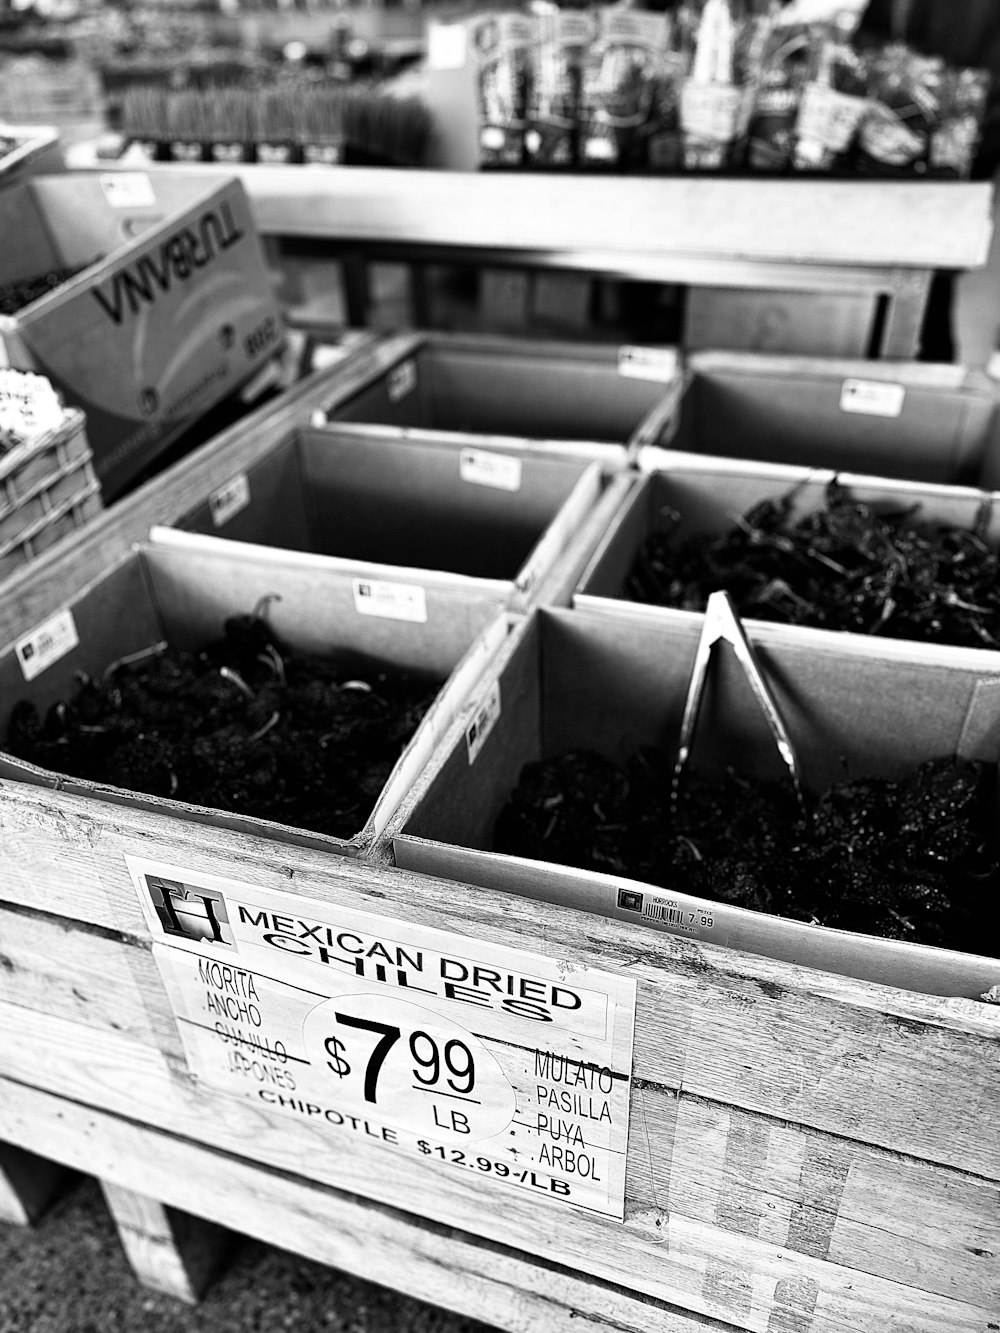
(194, 914)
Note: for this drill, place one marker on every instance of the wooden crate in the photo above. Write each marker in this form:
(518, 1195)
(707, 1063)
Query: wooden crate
(48, 490)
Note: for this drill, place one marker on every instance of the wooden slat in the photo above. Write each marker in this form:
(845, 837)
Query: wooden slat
(28, 1185)
(169, 1250)
(905, 1072)
(448, 1268)
(699, 1266)
(752, 1174)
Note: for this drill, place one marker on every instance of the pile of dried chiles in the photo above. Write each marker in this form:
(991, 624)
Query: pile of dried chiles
(916, 858)
(246, 726)
(848, 566)
(14, 296)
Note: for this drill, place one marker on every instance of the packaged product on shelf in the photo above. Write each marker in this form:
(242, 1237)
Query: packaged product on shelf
(833, 104)
(711, 99)
(905, 103)
(774, 107)
(956, 136)
(621, 79)
(504, 48)
(559, 50)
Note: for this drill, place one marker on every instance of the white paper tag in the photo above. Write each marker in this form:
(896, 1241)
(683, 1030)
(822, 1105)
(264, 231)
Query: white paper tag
(37, 651)
(648, 363)
(446, 46)
(29, 406)
(128, 189)
(481, 468)
(484, 720)
(393, 601)
(872, 398)
(230, 499)
(401, 380)
(486, 1062)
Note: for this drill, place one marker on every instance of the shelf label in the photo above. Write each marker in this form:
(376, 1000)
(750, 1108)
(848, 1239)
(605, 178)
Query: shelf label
(46, 644)
(484, 720)
(229, 500)
(128, 189)
(648, 363)
(472, 1057)
(401, 380)
(872, 398)
(482, 468)
(392, 601)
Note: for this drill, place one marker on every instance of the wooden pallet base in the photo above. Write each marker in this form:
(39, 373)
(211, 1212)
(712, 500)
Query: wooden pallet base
(28, 1185)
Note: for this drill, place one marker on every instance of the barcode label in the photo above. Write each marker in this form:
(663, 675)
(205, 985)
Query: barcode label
(648, 363)
(401, 380)
(872, 398)
(483, 722)
(128, 189)
(392, 601)
(37, 651)
(660, 911)
(229, 500)
(481, 468)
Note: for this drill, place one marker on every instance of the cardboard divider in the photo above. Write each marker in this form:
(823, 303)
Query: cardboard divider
(433, 513)
(925, 422)
(612, 680)
(689, 495)
(184, 595)
(511, 387)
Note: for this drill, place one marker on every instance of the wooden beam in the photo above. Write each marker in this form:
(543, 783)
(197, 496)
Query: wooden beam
(28, 1185)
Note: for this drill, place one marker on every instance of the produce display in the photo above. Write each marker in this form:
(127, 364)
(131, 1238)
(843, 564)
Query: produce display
(915, 858)
(718, 85)
(246, 725)
(848, 566)
(14, 296)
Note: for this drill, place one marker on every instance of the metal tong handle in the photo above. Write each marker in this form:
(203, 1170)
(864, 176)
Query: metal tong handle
(722, 622)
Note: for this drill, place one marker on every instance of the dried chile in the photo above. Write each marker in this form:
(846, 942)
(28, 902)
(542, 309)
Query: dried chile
(848, 566)
(14, 296)
(246, 725)
(915, 858)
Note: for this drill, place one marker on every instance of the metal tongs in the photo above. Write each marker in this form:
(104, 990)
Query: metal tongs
(722, 622)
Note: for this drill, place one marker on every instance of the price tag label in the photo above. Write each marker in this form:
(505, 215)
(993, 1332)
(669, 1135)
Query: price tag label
(229, 500)
(487, 1061)
(37, 651)
(483, 721)
(393, 601)
(872, 398)
(128, 189)
(482, 468)
(401, 380)
(648, 363)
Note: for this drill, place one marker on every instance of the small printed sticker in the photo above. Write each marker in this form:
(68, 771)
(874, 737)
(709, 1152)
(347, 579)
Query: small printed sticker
(401, 380)
(481, 468)
(128, 189)
(392, 601)
(446, 46)
(483, 721)
(872, 398)
(648, 363)
(37, 651)
(229, 500)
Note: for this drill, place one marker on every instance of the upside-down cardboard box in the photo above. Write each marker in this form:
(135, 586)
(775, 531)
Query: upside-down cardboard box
(171, 309)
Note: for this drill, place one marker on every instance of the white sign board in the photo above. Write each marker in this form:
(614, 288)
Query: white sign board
(473, 1056)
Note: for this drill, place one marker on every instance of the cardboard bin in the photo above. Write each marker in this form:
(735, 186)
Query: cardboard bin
(183, 597)
(36, 151)
(171, 312)
(583, 396)
(893, 419)
(690, 495)
(494, 522)
(616, 680)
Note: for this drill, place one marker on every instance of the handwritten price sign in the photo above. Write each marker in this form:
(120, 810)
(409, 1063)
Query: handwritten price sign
(417, 1070)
